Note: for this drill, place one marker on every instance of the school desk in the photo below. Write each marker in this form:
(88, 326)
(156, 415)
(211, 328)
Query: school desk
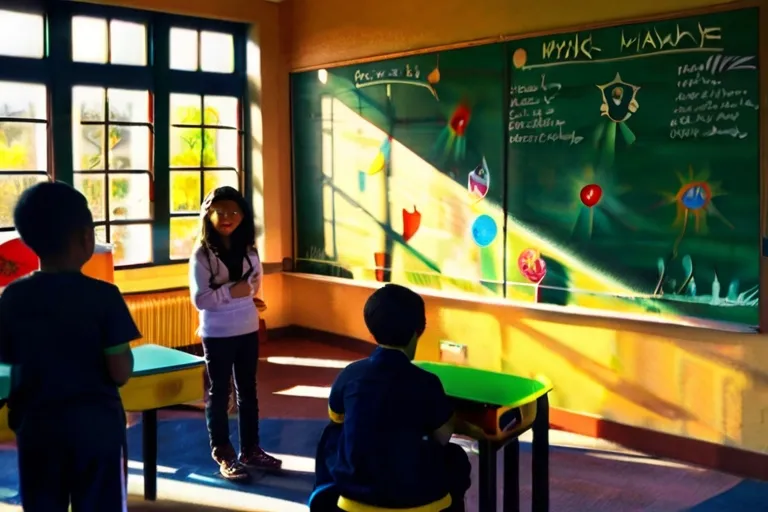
(162, 377)
(505, 406)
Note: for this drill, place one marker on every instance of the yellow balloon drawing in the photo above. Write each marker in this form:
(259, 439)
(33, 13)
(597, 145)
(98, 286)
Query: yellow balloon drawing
(519, 58)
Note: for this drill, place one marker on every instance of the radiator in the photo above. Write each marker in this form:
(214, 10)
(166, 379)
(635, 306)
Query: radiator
(166, 319)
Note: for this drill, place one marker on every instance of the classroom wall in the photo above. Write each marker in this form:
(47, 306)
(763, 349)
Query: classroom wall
(705, 385)
(271, 158)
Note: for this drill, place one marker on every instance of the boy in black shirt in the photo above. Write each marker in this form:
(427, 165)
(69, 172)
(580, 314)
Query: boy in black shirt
(67, 338)
(394, 449)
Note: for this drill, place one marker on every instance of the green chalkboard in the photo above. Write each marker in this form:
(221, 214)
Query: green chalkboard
(612, 170)
(633, 154)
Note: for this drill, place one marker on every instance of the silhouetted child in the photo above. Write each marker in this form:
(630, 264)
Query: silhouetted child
(391, 446)
(67, 338)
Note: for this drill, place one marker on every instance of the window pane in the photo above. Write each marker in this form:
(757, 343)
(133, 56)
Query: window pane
(21, 34)
(184, 233)
(129, 106)
(215, 179)
(185, 191)
(217, 52)
(129, 197)
(186, 109)
(128, 43)
(186, 147)
(91, 185)
(89, 39)
(23, 100)
(132, 244)
(23, 147)
(184, 49)
(220, 148)
(221, 111)
(129, 148)
(88, 148)
(11, 187)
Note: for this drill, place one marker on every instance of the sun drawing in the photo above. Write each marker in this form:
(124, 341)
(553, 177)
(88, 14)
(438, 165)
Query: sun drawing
(694, 200)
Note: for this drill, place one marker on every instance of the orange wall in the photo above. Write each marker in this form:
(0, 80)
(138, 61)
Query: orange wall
(706, 385)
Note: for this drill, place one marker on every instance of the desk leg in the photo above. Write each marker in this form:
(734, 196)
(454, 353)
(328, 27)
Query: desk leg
(512, 476)
(487, 486)
(540, 449)
(149, 455)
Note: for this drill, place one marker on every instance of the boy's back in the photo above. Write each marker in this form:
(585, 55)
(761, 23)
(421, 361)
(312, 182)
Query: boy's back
(56, 330)
(389, 409)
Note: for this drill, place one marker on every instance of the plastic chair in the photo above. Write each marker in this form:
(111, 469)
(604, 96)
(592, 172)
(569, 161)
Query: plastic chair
(348, 505)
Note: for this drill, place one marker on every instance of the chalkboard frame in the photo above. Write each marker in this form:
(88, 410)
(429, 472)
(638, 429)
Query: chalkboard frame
(762, 249)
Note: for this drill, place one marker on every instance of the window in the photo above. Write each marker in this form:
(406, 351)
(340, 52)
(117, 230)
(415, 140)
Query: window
(205, 154)
(101, 41)
(111, 137)
(21, 34)
(156, 104)
(23, 143)
(193, 50)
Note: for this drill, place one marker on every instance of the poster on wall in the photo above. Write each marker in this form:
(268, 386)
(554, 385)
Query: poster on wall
(399, 171)
(634, 159)
(612, 171)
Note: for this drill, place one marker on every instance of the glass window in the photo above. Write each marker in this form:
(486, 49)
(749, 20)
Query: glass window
(217, 52)
(127, 43)
(204, 155)
(23, 143)
(184, 49)
(111, 140)
(89, 40)
(21, 34)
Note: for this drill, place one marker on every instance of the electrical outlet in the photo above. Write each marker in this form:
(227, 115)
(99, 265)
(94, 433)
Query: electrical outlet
(451, 352)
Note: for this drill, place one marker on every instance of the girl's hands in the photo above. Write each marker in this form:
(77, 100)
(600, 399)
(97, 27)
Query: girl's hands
(241, 289)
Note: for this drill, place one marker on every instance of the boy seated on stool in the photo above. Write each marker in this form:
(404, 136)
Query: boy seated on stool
(389, 443)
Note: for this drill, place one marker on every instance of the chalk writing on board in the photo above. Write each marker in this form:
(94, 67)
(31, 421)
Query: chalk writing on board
(407, 75)
(705, 105)
(532, 116)
(686, 37)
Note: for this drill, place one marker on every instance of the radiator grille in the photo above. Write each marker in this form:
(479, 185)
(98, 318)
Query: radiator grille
(166, 319)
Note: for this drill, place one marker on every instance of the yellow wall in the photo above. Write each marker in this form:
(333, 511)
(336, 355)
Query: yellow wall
(706, 385)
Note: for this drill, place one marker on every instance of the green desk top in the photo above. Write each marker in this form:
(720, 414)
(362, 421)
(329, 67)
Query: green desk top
(493, 388)
(5, 381)
(154, 359)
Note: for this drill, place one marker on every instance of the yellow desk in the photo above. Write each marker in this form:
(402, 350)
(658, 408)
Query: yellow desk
(162, 377)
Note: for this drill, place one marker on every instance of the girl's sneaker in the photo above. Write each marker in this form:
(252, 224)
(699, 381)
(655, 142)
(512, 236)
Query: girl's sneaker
(229, 467)
(259, 459)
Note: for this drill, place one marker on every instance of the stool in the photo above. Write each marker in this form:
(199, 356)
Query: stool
(348, 505)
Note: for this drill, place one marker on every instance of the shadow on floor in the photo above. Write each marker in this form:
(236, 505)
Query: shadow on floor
(138, 505)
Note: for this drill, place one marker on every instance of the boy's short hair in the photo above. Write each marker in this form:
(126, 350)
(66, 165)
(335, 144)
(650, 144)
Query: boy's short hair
(48, 214)
(393, 314)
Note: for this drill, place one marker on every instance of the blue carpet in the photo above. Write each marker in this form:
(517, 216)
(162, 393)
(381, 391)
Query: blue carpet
(183, 446)
(748, 495)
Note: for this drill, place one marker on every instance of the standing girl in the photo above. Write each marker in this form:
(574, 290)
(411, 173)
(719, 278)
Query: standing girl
(225, 273)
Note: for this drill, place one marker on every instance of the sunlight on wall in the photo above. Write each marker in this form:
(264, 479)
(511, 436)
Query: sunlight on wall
(253, 69)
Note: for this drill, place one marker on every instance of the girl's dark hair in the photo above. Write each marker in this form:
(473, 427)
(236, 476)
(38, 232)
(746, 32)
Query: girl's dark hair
(242, 239)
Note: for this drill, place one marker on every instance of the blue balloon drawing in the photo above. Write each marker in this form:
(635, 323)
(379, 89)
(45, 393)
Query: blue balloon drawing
(484, 230)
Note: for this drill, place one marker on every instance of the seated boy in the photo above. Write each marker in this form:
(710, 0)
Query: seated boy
(66, 337)
(393, 449)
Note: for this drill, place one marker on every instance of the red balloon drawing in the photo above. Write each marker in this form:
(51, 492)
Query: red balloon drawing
(591, 194)
(411, 223)
(459, 120)
(532, 265)
(16, 260)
